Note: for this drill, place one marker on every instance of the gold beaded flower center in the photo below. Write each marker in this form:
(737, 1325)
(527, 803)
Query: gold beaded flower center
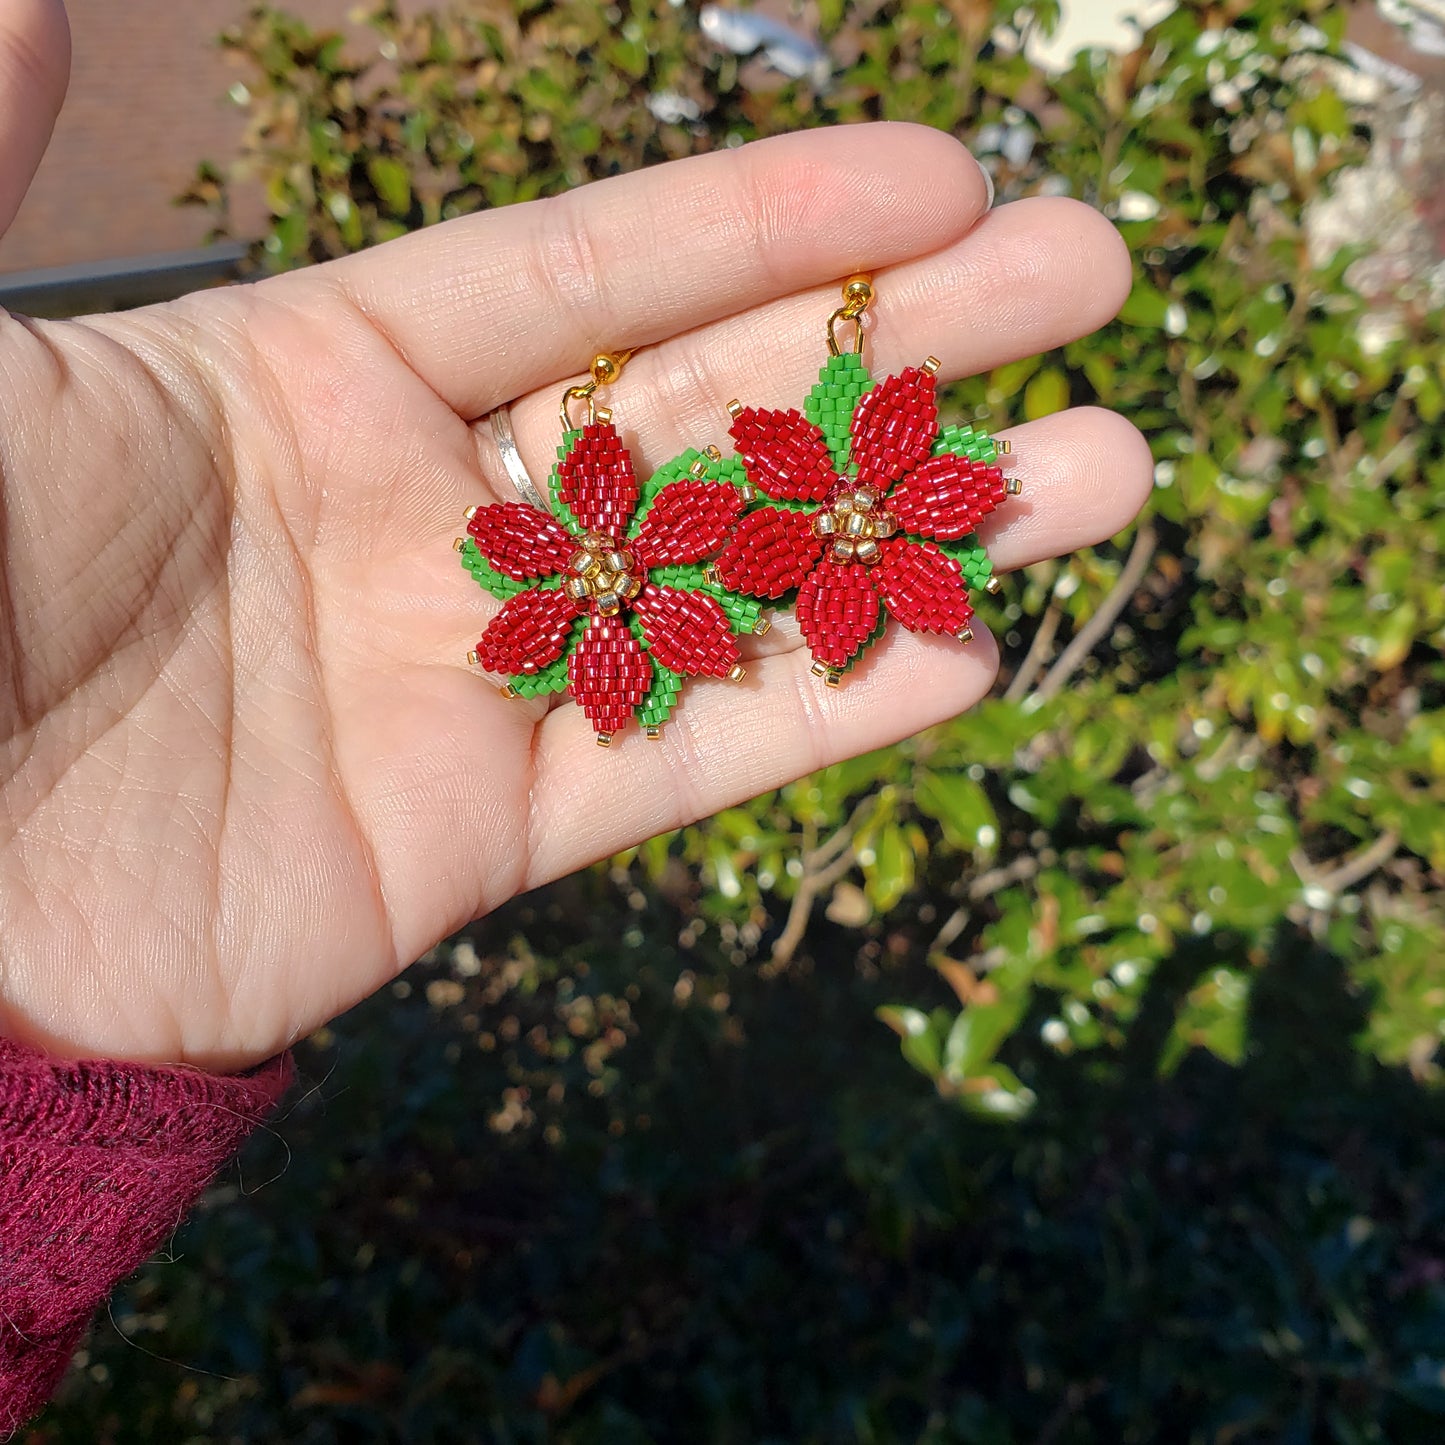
(855, 523)
(603, 573)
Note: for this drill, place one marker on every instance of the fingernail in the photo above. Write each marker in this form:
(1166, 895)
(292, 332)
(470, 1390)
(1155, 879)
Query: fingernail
(988, 181)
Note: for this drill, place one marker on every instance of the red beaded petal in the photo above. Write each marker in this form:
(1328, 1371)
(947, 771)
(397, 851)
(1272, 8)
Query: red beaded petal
(894, 427)
(687, 631)
(837, 610)
(946, 497)
(770, 552)
(528, 633)
(521, 542)
(608, 673)
(687, 522)
(785, 455)
(597, 481)
(922, 587)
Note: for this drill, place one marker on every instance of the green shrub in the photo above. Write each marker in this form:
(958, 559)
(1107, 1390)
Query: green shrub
(1229, 724)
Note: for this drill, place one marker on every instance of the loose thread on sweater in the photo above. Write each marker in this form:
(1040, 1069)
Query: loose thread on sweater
(260, 1127)
(185, 1365)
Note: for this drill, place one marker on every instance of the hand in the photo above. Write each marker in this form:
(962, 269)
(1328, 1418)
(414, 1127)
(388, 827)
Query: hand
(247, 775)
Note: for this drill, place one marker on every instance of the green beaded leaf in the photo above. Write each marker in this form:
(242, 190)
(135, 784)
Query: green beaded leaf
(829, 406)
(661, 698)
(560, 509)
(674, 471)
(691, 578)
(969, 553)
(873, 637)
(497, 583)
(550, 679)
(657, 706)
(727, 469)
(967, 441)
(553, 677)
(724, 471)
(743, 613)
(978, 446)
(731, 470)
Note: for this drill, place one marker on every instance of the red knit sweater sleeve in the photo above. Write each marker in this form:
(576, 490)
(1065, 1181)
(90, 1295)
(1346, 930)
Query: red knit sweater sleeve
(98, 1162)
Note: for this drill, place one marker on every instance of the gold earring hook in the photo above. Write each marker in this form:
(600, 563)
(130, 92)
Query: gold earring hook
(857, 296)
(606, 367)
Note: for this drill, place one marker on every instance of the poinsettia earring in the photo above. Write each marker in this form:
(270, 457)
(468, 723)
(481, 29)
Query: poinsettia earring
(605, 595)
(867, 509)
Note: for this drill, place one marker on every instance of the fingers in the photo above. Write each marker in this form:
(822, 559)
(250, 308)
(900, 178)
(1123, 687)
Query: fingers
(1028, 278)
(34, 70)
(487, 307)
(730, 741)
(1086, 475)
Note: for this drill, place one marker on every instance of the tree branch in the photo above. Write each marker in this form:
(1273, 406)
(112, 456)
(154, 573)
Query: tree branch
(823, 866)
(810, 885)
(1024, 867)
(1097, 627)
(1351, 870)
(1033, 662)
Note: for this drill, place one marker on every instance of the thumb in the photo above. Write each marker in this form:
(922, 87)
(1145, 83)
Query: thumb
(34, 70)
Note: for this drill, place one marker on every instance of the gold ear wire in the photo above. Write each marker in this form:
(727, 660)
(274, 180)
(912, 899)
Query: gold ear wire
(857, 297)
(606, 367)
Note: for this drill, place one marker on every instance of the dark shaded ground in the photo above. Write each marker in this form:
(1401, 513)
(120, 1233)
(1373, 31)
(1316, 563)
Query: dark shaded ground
(725, 1212)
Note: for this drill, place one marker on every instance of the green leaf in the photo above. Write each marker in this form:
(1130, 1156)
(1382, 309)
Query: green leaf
(1007, 380)
(977, 1033)
(1006, 1098)
(1396, 637)
(960, 807)
(392, 182)
(830, 405)
(1146, 306)
(673, 470)
(743, 613)
(921, 1034)
(497, 583)
(554, 484)
(889, 874)
(552, 678)
(344, 212)
(1212, 1017)
(1046, 393)
(657, 706)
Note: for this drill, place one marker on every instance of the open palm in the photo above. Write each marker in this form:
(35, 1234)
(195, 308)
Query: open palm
(247, 774)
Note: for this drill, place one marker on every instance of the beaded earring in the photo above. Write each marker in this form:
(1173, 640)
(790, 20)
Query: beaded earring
(603, 586)
(867, 509)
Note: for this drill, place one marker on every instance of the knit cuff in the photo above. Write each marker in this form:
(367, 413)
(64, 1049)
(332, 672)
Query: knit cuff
(99, 1162)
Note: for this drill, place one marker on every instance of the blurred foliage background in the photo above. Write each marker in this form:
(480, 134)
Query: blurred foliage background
(1157, 1154)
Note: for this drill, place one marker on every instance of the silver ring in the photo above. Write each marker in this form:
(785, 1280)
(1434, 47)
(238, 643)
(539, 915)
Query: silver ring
(512, 459)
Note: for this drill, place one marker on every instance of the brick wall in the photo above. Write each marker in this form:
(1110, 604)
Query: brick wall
(146, 104)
